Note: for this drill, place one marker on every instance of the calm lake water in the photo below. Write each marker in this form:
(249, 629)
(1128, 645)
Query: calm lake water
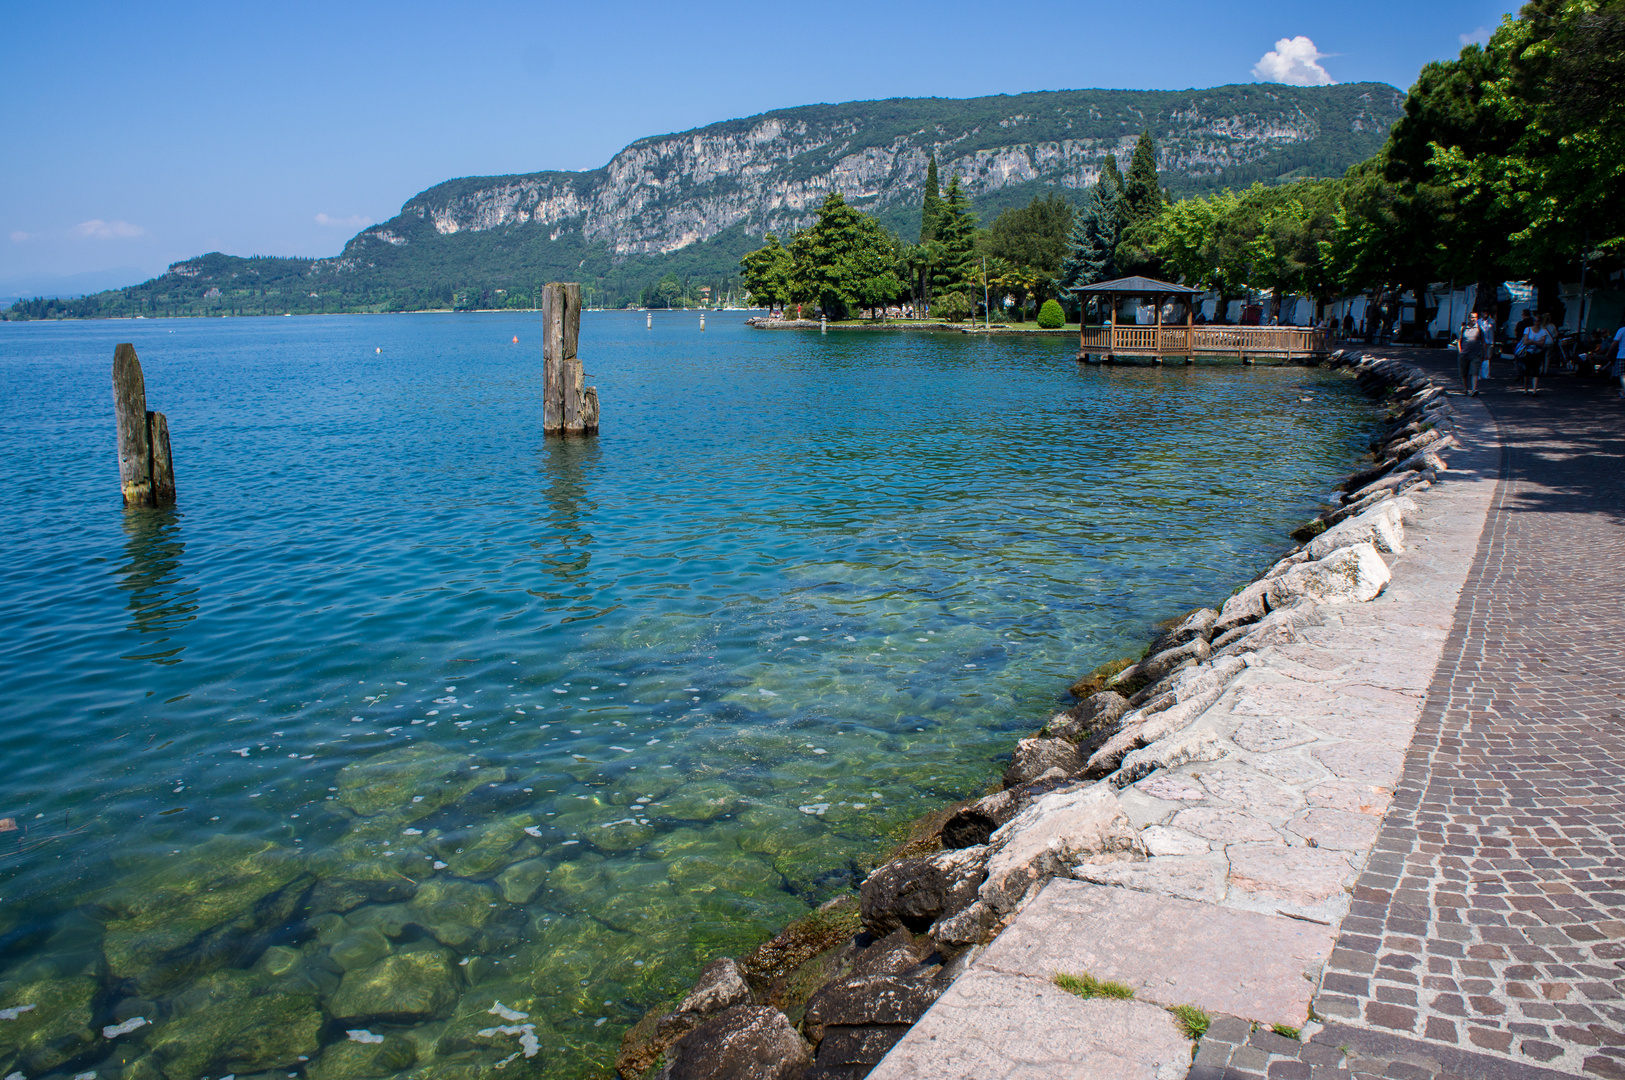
(405, 712)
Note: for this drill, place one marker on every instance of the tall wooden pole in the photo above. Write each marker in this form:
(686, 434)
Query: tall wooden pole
(568, 408)
(146, 471)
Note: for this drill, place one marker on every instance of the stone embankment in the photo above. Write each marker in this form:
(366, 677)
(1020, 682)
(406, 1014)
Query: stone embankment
(1191, 826)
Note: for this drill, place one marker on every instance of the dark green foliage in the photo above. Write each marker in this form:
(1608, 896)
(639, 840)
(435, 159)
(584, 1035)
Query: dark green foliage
(1033, 236)
(845, 259)
(1050, 316)
(1092, 247)
(956, 232)
(931, 205)
(951, 306)
(767, 273)
(1142, 189)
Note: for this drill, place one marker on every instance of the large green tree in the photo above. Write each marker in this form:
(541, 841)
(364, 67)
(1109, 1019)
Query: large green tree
(956, 232)
(1032, 236)
(767, 273)
(843, 259)
(1097, 226)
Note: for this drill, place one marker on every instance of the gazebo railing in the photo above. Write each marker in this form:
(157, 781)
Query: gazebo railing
(1194, 340)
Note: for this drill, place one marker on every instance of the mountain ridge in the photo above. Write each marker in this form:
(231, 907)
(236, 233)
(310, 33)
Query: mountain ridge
(692, 202)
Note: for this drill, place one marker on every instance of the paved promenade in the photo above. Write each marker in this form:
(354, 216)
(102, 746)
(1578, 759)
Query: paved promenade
(1486, 936)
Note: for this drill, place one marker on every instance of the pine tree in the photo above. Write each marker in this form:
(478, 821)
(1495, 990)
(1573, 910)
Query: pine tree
(1092, 246)
(931, 208)
(1142, 191)
(956, 232)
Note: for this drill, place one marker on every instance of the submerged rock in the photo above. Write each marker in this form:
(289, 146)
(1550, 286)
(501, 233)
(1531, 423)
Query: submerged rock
(51, 1023)
(417, 983)
(361, 947)
(200, 911)
(410, 782)
(520, 882)
(352, 1060)
(231, 1022)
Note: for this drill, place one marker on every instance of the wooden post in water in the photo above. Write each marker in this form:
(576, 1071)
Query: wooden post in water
(146, 471)
(568, 408)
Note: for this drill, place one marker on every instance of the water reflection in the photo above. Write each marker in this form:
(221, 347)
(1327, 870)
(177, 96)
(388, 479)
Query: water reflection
(152, 576)
(566, 540)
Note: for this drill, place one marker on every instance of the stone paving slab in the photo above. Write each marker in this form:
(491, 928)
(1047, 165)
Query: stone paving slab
(1172, 952)
(990, 1025)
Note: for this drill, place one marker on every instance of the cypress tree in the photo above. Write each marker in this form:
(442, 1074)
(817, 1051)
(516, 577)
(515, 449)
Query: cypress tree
(931, 208)
(956, 231)
(1110, 178)
(1142, 191)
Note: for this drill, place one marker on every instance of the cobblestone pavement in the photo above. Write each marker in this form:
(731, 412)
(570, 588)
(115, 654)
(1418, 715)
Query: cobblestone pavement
(1487, 933)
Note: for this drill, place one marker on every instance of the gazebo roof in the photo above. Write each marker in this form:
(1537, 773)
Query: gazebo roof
(1142, 286)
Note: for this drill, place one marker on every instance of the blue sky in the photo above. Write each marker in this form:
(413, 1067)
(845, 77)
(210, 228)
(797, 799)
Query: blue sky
(137, 134)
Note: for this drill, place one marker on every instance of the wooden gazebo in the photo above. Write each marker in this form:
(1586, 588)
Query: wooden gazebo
(1175, 333)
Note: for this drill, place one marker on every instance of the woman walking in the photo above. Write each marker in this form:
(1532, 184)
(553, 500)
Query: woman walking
(1470, 353)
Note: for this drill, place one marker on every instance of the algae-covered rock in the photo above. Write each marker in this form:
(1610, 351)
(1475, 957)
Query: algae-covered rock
(705, 800)
(278, 960)
(200, 911)
(233, 1022)
(416, 983)
(52, 1024)
(520, 882)
(413, 780)
(355, 1060)
(482, 851)
(361, 947)
(481, 1011)
(453, 911)
(350, 874)
(736, 872)
(578, 883)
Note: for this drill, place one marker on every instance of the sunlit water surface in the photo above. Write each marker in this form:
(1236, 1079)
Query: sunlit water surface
(641, 699)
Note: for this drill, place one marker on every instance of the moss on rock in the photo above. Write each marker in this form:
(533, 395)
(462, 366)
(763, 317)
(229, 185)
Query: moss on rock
(235, 1022)
(53, 1027)
(417, 983)
(413, 781)
(199, 911)
(350, 1060)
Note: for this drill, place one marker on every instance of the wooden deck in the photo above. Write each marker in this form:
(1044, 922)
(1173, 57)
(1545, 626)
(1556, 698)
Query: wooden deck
(1287, 342)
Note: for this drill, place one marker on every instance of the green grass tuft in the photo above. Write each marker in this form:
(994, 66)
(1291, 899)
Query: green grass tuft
(1087, 986)
(1192, 1020)
(1289, 1032)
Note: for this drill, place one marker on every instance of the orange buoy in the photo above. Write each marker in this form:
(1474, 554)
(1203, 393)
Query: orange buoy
(516, 339)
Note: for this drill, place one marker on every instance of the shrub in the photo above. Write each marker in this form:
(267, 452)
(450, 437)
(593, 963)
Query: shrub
(1050, 316)
(952, 307)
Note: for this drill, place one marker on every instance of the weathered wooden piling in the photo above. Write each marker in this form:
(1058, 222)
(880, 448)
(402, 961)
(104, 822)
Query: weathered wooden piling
(146, 470)
(568, 408)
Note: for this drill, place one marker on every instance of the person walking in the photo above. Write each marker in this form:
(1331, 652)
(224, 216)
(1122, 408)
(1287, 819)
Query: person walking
(1531, 352)
(1471, 352)
(1618, 370)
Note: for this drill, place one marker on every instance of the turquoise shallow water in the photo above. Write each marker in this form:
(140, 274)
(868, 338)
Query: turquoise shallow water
(403, 698)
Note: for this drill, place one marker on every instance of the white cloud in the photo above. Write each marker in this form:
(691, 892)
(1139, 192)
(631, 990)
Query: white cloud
(1481, 36)
(1294, 61)
(18, 236)
(97, 229)
(348, 221)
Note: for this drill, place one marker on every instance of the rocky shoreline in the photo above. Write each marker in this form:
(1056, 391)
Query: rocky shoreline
(1085, 798)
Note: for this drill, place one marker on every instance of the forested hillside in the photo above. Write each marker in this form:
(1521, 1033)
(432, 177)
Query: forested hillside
(670, 214)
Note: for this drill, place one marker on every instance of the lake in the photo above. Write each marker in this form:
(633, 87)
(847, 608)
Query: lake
(406, 721)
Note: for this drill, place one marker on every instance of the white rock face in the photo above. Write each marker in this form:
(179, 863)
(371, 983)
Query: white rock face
(1054, 835)
(1382, 526)
(1350, 574)
(1168, 753)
